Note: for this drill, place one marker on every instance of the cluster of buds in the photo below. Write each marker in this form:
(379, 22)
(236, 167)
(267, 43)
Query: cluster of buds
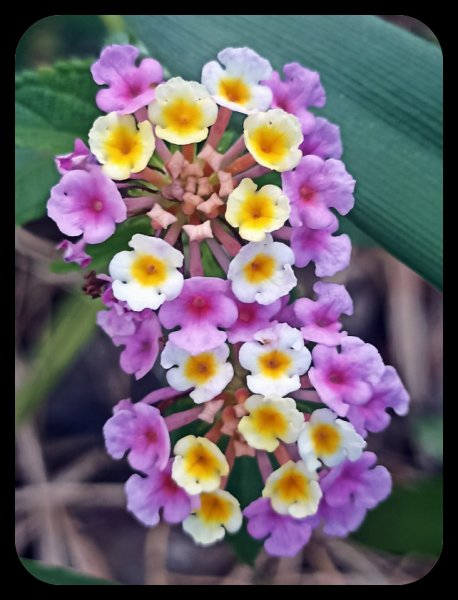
(264, 376)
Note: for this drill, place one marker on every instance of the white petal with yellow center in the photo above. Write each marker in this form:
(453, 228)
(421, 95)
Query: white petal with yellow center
(273, 139)
(276, 360)
(262, 272)
(120, 146)
(218, 511)
(182, 111)
(208, 372)
(198, 465)
(271, 418)
(293, 490)
(147, 275)
(328, 439)
(237, 86)
(256, 212)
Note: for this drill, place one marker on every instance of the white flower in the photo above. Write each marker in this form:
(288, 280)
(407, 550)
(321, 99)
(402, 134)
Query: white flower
(182, 111)
(198, 465)
(119, 146)
(208, 372)
(218, 511)
(270, 419)
(293, 490)
(256, 212)
(237, 86)
(275, 360)
(273, 139)
(261, 272)
(147, 275)
(329, 439)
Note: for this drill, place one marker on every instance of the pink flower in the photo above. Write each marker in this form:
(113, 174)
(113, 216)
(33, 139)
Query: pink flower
(330, 254)
(314, 187)
(300, 90)
(203, 305)
(286, 536)
(80, 158)
(139, 430)
(139, 332)
(349, 491)
(88, 203)
(346, 378)
(146, 496)
(74, 253)
(251, 318)
(389, 392)
(129, 87)
(323, 141)
(320, 318)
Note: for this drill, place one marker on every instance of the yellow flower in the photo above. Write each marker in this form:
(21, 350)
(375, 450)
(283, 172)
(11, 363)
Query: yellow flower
(273, 139)
(199, 465)
(182, 111)
(218, 511)
(270, 419)
(293, 490)
(256, 212)
(119, 146)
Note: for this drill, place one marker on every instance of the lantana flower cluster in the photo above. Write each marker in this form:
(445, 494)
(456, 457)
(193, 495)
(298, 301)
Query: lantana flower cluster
(268, 375)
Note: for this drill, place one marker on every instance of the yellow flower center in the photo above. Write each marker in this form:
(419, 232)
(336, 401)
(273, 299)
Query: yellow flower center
(269, 421)
(257, 212)
(292, 487)
(259, 269)
(200, 368)
(234, 89)
(149, 270)
(325, 438)
(214, 509)
(274, 364)
(269, 143)
(183, 116)
(200, 463)
(123, 145)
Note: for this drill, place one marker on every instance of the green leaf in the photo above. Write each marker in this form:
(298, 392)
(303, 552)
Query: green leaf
(384, 90)
(53, 107)
(60, 576)
(409, 521)
(211, 267)
(58, 346)
(245, 483)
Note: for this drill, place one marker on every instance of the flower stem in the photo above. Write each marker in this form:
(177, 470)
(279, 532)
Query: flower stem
(182, 418)
(241, 164)
(219, 254)
(265, 468)
(161, 394)
(219, 126)
(141, 114)
(306, 395)
(196, 268)
(140, 204)
(152, 176)
(256, 171)
(282, 455)
(172, 234)
(189, 152)
(284, 233)
(162, 149)
(233, 152)
(229, 243)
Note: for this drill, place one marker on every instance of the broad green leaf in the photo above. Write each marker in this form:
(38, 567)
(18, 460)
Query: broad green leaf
(384, 90)
(53, 107)
(211, 267)
(61, 576)
(245, 483)
(409, 521)
(54, 353)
